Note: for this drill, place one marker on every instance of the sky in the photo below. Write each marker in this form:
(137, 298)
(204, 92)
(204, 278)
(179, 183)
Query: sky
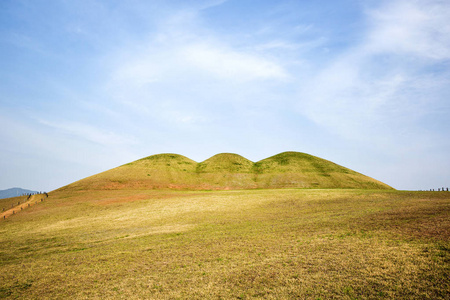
(88, 85)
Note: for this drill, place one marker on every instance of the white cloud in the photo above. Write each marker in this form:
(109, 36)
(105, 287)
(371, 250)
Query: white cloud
(419, 27)
(180, 74)
(175, 62)
(182, 118)
(58, 156)
(90, 133)
(213, 3)
(231, 64)
(368, 93)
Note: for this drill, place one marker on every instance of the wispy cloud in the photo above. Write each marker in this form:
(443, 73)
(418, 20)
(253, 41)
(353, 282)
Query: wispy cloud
(189, 69)
(367, 92)
(417, 27)
(230, 64)
(90, 133)
(172, 60)
(212, 3)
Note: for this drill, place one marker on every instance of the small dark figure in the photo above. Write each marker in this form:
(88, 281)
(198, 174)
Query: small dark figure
(13, 212)
(21, 208)
(4, 217)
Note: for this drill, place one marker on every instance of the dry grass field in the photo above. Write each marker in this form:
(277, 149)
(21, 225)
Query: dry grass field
(241, 244)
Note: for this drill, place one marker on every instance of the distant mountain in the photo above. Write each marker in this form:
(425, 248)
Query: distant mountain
(14, 192)
(228, 171)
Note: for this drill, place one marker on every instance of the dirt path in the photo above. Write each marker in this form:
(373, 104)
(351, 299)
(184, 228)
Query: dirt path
(34, 199)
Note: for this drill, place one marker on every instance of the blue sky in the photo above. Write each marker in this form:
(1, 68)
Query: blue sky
(88, 85)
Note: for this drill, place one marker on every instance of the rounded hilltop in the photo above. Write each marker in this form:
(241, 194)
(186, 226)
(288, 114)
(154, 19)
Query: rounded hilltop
(228, 171)
(163, 160)
(302, 170)
(298, 162)
(167, 170)
(226, 162)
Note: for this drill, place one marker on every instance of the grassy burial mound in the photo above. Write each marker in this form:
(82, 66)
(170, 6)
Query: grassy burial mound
(228, 171)
(154, 172)
(294, 169)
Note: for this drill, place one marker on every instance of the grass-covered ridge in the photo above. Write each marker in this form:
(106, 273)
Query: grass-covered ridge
(228, 171)
(294, 169)
(226, 162)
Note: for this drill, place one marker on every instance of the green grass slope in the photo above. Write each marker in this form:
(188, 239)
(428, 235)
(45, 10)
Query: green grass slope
(228, 171)
(295, 169)
(152, 172)
(226, 162)
(240, 244)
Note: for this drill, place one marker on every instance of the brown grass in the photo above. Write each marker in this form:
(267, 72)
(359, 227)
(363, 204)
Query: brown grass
(18, 204)
(258, 244)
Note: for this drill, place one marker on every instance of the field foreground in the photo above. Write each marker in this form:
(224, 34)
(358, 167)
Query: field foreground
(272, 244)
